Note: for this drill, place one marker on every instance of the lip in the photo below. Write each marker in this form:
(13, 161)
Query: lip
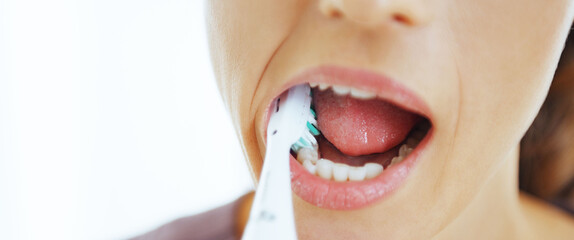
(354, 195)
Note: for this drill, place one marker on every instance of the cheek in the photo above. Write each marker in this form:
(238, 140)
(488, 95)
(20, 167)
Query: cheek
(243, 36)
(505, 61)
(505, 65)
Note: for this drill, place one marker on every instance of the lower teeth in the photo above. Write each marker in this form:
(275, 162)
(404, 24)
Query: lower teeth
(341, 172)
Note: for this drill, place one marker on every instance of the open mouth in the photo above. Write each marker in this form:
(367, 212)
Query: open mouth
(370, 134)
(361, 135)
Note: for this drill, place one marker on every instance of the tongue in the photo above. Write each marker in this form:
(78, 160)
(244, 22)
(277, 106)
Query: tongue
(360, 127)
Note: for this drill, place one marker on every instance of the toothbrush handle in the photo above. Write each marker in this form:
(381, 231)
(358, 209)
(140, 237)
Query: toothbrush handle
(271, 215)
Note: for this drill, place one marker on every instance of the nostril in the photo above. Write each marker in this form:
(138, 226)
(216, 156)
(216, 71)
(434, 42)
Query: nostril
(407, 13)
(330, 10)
(402, 19)
(336, 14)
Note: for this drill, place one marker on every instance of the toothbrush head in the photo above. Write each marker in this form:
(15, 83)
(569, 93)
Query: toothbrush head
(294, 117)
(291, 117)
(307, 140)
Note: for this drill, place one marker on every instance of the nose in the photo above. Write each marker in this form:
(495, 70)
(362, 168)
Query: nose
(377, 12)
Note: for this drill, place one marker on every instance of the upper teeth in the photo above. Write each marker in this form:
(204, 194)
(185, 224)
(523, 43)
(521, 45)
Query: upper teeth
(341, 172)
(344, 90)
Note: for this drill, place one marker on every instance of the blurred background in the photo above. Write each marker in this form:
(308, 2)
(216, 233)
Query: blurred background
(110, 119)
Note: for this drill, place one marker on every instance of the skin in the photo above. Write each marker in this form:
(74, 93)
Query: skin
(483, 67)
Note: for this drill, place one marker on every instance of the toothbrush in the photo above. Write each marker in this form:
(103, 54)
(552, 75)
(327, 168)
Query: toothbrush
(291, 126)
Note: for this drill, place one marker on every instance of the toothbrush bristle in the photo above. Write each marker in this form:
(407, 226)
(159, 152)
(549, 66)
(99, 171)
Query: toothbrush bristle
(313, 113)
(308, 139)
(312, 129)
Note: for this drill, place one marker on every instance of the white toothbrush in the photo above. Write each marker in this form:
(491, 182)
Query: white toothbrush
(271, 215)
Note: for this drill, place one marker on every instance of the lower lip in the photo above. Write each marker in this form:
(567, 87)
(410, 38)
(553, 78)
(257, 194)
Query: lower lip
(353, 195)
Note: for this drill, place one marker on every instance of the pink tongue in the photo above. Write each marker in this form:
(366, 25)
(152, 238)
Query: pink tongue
(360, 127)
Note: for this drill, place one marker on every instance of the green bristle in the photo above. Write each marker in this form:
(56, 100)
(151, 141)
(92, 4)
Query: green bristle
(313, 129)
(305, 143)
(301, 143)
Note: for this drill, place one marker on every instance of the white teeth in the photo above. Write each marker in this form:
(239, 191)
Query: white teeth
(310, 166)
(340, 172)
(404, 150)
(325, 168)
(362, 94)
(396, 160)
(357, 173)
(307, 154)
(372, 170)
(340, 90)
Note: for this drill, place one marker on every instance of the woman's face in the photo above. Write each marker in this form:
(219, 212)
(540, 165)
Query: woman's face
(477, 71)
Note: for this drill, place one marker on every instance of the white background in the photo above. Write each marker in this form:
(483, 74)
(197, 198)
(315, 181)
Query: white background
(110, 120)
